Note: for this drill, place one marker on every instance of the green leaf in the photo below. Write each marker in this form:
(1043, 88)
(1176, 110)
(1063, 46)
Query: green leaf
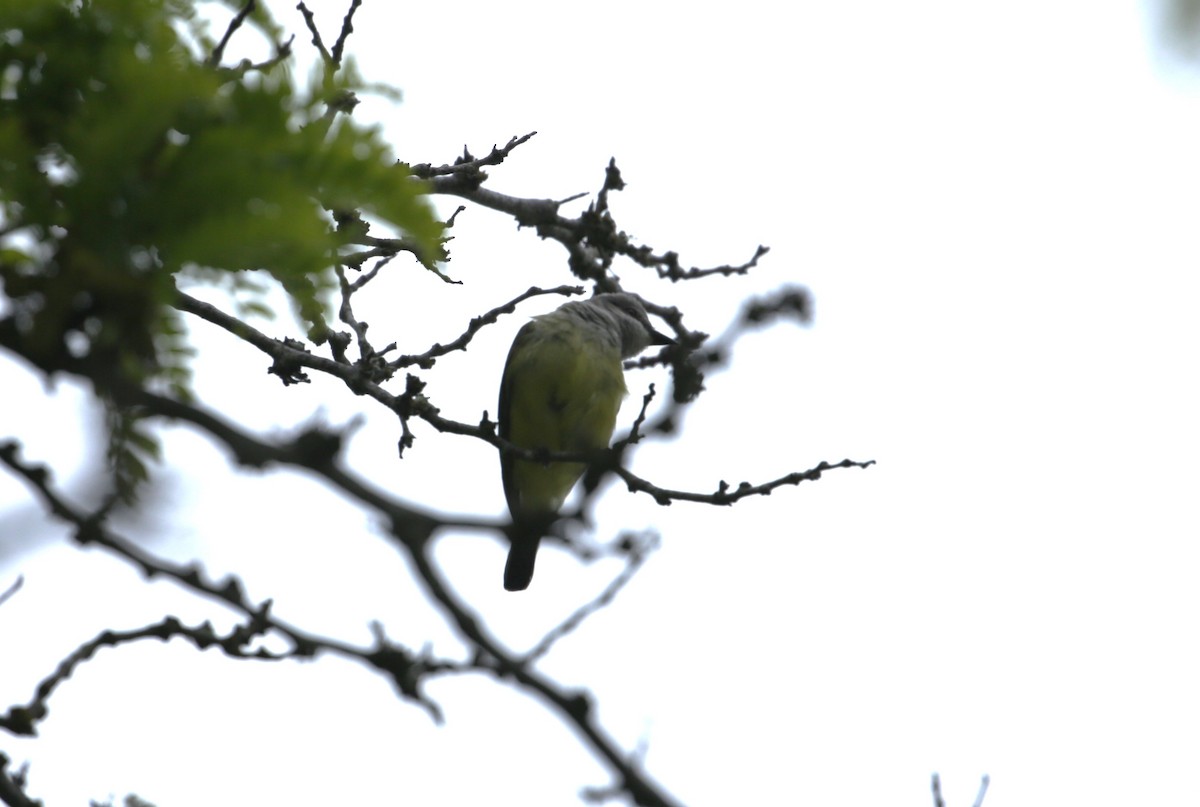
(127, 159)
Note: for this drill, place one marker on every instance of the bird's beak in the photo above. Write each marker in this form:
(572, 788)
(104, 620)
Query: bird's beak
(657, 338)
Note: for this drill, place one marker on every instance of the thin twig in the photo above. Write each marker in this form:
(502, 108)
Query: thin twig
(218, 53)
(637, 557)
(347, 29)
(13, 589)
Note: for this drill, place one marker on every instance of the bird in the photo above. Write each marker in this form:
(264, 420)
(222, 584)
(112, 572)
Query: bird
(561, 389)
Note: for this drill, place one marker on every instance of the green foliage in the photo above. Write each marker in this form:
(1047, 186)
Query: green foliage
(126, 159)
(129, 445)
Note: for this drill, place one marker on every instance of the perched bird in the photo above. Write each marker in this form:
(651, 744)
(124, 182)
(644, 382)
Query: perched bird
(562, 387)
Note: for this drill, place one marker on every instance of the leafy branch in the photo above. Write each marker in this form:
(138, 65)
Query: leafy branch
(219, 173)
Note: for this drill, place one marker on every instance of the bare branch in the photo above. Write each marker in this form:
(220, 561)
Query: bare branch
(346, 315)
(983, 786)
(404, 668)
(592, 239)
(724, 494)
(347, 29)
(468, 166)
(412, 531)
(288, 354)
(637, 554)
(283, 52)
(575, 707)
(218, 53)
(21, 720)
(318, 43)
(13, 589)
(938, 801)
(12, 787)
(427, 359)
(635, 434)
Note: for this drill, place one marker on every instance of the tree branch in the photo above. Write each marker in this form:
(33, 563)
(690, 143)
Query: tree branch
(12, 787)
(218, 53)
(469, 167)
(412, 531)
(592, 239)
(575, 707)
(637, 554)
(404, 668)
(22, 720)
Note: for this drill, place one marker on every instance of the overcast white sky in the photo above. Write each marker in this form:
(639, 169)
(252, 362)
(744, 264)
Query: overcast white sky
(995, 208)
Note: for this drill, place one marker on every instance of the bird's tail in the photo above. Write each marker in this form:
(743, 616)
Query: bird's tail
(518, 571)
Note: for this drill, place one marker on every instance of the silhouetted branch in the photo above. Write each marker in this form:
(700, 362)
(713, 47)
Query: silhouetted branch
(22, 720)
(637, 555)
(11, 590)
(427, 359)
(411, 529)
(468, 168)
(404, 668)
(593, 242)
(239, 19)
(725, 494)
(12, 787)
(318, 43)
(576, 707)
(789, 302)
(592, 239)
(347, 29)
(938, 801)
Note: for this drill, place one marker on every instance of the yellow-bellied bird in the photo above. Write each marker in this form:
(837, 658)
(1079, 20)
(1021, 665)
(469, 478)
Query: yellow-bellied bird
(562, 387)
